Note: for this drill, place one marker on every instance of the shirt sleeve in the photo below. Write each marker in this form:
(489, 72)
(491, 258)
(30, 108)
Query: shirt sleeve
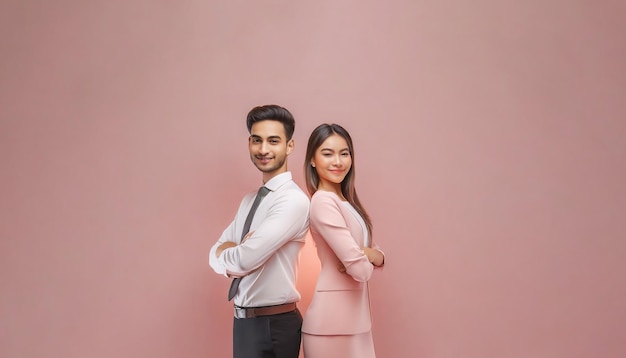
(328, 221)
(285, 220)
(227, 235)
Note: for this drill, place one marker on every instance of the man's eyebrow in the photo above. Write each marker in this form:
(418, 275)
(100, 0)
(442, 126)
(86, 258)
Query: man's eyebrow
(256, 136)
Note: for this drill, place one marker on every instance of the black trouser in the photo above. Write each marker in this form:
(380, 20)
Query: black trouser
(275, 336)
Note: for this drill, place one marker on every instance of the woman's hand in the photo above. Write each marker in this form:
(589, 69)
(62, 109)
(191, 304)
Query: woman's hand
(376, 257)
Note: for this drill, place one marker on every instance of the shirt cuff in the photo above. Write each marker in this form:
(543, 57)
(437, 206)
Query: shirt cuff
(216, 262)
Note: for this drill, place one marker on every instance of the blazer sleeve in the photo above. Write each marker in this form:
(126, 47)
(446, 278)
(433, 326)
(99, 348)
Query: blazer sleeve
(327, 219)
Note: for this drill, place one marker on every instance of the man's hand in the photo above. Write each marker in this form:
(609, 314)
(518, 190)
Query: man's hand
(229, 244)
(246, 237)
(224, 246)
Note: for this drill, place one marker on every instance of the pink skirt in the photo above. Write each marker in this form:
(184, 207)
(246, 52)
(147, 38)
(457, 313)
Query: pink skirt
(349, 346)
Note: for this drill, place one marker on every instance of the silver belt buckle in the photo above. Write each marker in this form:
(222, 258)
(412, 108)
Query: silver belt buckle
(240, 313)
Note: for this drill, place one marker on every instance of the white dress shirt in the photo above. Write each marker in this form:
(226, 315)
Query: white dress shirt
(268, 259)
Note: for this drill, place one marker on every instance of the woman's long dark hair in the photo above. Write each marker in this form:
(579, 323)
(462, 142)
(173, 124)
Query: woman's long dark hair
(318, 136)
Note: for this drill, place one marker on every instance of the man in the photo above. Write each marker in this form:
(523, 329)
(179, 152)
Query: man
(263, 261)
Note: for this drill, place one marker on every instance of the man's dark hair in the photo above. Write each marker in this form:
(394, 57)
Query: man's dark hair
(275, 113)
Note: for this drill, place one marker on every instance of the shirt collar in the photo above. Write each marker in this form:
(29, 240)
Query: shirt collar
(277, 181)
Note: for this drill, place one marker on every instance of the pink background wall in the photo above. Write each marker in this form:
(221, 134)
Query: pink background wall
(490, 141)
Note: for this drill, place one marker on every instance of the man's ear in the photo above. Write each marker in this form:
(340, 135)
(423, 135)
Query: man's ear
(290, 146)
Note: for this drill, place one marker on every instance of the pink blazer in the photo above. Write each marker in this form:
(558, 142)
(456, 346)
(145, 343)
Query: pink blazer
(340, 304)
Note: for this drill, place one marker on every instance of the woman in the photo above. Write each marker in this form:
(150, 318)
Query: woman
(338, 321)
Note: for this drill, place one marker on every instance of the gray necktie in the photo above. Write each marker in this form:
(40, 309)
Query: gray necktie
(246, 227)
